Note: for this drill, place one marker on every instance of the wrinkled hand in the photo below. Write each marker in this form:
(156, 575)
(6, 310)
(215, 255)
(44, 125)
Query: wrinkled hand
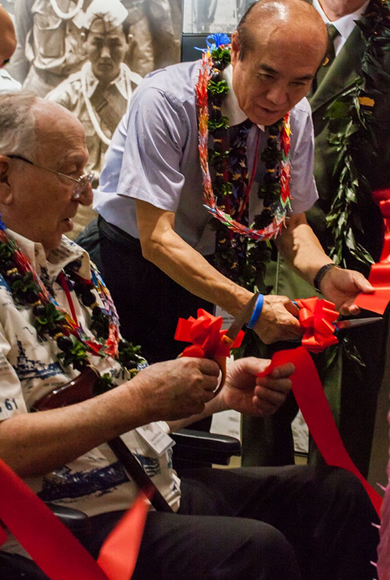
(247, 393)
(175, 389)
(278, 320)
(342, 286)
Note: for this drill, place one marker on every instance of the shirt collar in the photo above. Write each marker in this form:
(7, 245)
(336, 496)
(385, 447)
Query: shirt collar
(346, 23)
(230, 106)
(120, 81)
(67, 252)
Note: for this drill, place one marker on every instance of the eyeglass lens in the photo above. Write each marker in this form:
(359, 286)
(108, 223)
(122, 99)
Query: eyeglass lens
(82, 184)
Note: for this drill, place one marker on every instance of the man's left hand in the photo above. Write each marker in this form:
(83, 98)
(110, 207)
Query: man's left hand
(247, 393)
(342, 286)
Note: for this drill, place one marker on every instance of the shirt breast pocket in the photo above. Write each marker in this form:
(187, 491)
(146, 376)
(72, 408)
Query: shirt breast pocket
(49, 36)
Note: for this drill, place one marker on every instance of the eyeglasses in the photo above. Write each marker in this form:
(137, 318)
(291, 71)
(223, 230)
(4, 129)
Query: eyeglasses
(80, 183)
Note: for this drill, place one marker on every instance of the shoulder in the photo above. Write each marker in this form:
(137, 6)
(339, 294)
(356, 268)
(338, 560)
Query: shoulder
(69, 87)
(176, 83)
(301, 113)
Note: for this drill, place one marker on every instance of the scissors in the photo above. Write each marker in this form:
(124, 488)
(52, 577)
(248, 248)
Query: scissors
(231, 334)
(355, 322)
(338, 325)
(350, 323)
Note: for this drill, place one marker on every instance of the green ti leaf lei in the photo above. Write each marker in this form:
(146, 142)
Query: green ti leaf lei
(351, 130)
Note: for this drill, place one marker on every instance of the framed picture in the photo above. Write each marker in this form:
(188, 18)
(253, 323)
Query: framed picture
(206, 16)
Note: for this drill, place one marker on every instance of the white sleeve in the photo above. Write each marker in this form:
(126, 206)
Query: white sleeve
(11, 395)
(303, 187)
(157, 131)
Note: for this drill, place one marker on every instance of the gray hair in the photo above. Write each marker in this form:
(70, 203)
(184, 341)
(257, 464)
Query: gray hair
(17, 123)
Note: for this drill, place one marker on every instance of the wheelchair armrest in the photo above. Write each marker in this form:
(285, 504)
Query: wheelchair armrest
(204, 447)
(77, 521)
(15, 567)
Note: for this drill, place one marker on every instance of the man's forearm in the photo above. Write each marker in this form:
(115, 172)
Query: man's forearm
(301, 249)
(169, 252)
(36, 443)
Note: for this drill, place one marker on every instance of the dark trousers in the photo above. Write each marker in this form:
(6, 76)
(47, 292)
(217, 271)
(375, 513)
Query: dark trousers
(149, 303)
(287, 523)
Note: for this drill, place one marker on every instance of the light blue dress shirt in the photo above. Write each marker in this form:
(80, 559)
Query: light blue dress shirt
(153, 157)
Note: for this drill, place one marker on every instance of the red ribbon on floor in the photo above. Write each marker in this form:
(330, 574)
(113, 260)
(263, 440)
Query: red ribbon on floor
(380, 272)
(317, 316)
(205, 334)
(310, 396)
(54, 549)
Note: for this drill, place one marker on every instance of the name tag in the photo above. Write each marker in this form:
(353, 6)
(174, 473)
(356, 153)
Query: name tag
(156, 438)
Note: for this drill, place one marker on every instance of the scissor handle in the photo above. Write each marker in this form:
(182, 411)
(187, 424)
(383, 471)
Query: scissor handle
(221, 362)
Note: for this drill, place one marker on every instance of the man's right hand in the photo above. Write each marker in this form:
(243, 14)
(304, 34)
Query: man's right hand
(278, 320)
(175, 389)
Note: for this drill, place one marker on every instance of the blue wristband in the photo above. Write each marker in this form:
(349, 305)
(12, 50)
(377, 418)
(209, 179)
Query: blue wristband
(256, 311)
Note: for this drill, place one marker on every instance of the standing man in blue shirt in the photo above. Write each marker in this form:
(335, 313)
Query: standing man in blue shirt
(159, 254)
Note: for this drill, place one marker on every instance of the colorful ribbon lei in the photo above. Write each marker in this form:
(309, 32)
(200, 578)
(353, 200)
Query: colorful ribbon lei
(278, 208)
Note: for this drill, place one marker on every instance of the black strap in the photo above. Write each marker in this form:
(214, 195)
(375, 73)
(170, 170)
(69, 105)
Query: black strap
(136, 471)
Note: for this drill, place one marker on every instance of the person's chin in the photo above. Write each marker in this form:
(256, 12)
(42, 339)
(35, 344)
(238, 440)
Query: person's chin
(105, 73)
(265, 116)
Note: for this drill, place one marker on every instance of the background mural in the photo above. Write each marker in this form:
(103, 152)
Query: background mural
(90, 55)
(205, 16)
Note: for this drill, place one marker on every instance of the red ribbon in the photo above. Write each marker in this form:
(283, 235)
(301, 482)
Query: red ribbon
(310, 396)
(119, 553)
(380, 272)
(317, 316)
(206, 336)
(54, 549)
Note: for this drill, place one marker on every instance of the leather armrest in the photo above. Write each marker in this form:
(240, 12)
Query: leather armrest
(77, 521)
(201, 446)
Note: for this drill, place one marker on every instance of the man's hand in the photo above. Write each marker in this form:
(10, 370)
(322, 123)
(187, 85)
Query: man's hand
(278, 320)
(342, 286)
(174, 389)
(247, 393)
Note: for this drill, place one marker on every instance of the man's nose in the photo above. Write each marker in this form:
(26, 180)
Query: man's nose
(105, 53)
(277, 94)
(86, 195)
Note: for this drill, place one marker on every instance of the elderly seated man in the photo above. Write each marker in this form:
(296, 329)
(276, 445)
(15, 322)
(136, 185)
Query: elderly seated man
(57, 319)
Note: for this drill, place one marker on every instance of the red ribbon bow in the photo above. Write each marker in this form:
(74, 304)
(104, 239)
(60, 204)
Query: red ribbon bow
(317, 317)
(205, 334)
(380, 272)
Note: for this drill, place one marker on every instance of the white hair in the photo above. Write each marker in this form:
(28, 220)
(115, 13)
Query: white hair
(17, 124)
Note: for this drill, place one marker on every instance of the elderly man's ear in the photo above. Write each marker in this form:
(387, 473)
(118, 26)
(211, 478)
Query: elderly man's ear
(5, 187)
(235, 47)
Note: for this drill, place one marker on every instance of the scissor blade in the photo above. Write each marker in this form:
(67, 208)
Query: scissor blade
(242, 318)
(342, 324)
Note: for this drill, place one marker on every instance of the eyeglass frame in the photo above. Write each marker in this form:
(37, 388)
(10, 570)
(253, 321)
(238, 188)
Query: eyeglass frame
(81, 182)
